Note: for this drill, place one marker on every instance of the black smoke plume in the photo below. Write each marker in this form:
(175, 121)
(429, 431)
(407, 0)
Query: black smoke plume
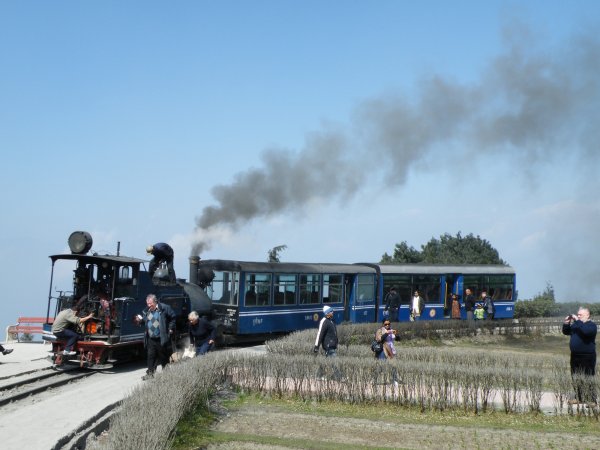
(530, 104)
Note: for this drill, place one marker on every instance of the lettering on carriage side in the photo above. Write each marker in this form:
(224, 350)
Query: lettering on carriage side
(257, 321)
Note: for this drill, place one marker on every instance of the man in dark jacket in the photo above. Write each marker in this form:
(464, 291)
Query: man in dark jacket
(202, 333)
(488, 305)
(469, 303)
(327, 334)
(159, 325)
(161, 252)
(392, 303)
(583, 352)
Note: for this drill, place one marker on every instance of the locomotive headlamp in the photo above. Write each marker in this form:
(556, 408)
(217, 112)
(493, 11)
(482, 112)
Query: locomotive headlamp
(80, 242)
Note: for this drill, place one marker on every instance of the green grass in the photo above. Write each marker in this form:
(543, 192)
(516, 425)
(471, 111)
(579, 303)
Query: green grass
(193, 432)
(549, 344)
(193, 428)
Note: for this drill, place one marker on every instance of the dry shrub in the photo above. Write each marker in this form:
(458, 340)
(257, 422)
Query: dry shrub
(148, 416)
(427, 377)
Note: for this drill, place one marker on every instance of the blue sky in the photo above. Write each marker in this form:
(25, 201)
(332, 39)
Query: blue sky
(349, 126)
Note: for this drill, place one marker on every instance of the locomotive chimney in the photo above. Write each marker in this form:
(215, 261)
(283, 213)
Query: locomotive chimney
(194, 260)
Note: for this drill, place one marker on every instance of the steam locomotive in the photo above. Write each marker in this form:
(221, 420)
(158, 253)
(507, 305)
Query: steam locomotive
(114, 288)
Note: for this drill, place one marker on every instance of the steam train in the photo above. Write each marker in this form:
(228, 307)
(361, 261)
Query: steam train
(250, 301)
(115, 288)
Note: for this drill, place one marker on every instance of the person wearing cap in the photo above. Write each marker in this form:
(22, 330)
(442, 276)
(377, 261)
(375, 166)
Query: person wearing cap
(327, 333)
(161, 252)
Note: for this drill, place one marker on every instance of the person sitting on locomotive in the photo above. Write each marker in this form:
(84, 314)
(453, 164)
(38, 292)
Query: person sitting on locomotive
(161, 253)
(202, 333)
(66, 325)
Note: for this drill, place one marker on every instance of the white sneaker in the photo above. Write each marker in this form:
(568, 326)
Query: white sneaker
(66, 353)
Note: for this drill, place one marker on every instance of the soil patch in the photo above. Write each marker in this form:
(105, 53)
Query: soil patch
(271, 427)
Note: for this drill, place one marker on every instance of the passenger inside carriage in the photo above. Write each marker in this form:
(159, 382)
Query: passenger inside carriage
(250, 299)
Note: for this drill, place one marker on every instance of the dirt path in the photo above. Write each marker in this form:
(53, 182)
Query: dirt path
(270, 428)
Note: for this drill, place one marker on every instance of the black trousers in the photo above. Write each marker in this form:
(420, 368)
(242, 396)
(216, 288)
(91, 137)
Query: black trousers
(583, 370)
(157, 354)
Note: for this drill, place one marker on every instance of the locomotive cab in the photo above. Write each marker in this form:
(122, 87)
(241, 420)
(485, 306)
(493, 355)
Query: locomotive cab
(112, 289)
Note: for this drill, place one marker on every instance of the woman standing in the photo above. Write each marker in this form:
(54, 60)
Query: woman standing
(455, 307)
(386, 335)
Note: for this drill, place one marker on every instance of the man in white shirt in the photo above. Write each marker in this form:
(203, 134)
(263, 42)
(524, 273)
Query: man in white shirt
(417, 305)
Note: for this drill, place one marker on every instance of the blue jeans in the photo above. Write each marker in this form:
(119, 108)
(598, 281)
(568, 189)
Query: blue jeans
(331, 352)
(71, 336)
(203, 348)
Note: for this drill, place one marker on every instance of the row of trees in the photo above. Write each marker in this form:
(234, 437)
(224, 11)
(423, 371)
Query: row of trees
(544, 305)
(447, 249)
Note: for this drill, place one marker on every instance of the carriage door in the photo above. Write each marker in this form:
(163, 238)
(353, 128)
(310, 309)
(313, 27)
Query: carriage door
(361, 298)
(448, 291)
(349, 281)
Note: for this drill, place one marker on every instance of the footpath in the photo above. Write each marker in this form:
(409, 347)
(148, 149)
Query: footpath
(39, 422)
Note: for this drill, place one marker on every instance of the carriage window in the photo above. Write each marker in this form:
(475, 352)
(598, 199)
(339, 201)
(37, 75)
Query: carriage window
(310, 289)
(500, 287)
(402, 284)
(333, 288)
(473, 282)
(284, 290)
(428, 286)
(258, 287)
(365, 291)
(224, 287)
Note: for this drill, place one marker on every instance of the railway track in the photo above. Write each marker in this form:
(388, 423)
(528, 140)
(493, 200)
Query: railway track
(26, 384)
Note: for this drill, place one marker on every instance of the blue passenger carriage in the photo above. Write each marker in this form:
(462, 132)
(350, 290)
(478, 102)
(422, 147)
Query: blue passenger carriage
(436, 283)
(251, 299)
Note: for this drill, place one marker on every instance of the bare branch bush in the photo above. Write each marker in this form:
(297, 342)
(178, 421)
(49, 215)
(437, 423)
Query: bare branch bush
(168, 396)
